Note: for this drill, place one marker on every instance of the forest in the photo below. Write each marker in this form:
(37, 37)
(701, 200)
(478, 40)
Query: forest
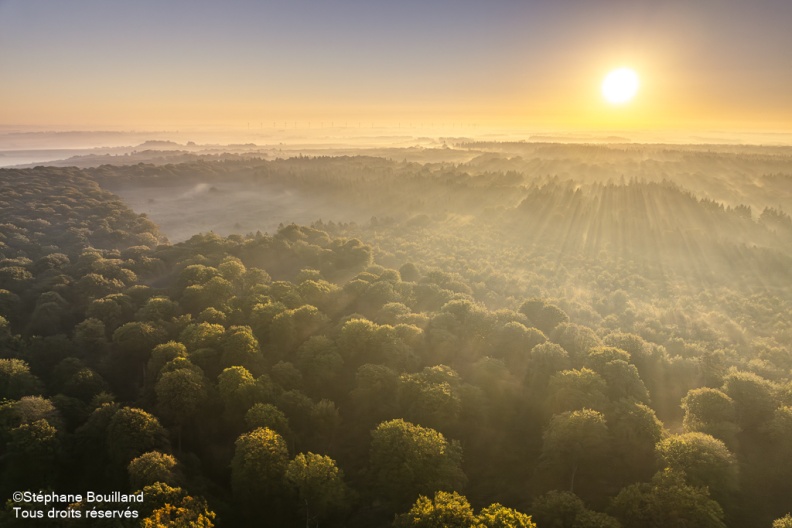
(485, 334)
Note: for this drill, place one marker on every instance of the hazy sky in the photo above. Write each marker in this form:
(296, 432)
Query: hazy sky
(148, 63)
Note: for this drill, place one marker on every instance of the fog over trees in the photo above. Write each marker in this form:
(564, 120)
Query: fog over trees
(486, 335)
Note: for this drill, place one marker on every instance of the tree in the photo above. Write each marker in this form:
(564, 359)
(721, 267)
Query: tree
(667, 502)
(152, 467)
(239, 391)
(188, 513)
(635, 431)
(445, 510)
(319, 485)
(575, 440)
(754, 398)
(557, 509)
(710, 411)
(320, 363)
(291, 328)
(85, 384)
(132, 432)
(240, 347)
(498, 516)
(593, 519)
(133, 343)
(544, 316)
(170, 507)
(325, 423)
(779, 431)
(623, 381)
(158, 309)
(374, 397)
(160, 356)
(571, 390)
(575, 339)
(91, 336)
(359, 341)
(430, 397)
(407, 460)
(16, 380)
(783, 522)
(202, 335)
(514, 342)
(29, 409)
(545, 360)
(257, 469)
(180, 395)
(32, 451)
(113, 310)
(703, 460)
(267, 415)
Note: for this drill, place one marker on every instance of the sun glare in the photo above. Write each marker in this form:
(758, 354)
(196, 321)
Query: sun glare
(620, 86)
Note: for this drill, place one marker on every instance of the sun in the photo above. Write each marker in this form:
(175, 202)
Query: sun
(620, 86)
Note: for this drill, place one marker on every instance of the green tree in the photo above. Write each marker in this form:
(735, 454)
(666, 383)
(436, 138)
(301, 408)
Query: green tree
(240, 347)
(32, 451)
(267, 415)
(320, 363)
(29, 409)
(238, 391)
(374, 397)
(291, 328)
(132, 343)
(132, 432)
(514, 343)
(570, 390)
(180, 395)
(202, 335)
(445, 510)
(635, 431)
(319, 485)
(622, 378)
(259, 463)
(407, 460)
(16, 380)
(783, 522)
(557, 509)
(575, 339)
(543, 316)
(546, 359)
(91, 336)
(594, 519)
(712, 412)
(705, 461)
(753, 396)
(667, 502)
(152, 467)
(575, 441)
(160, 356)
(166, 506)
(113, 310)
(158, 309)
(431, 397)
(359, 341)
(498, 516)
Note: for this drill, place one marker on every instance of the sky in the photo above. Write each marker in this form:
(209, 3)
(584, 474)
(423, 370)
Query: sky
(115, 64)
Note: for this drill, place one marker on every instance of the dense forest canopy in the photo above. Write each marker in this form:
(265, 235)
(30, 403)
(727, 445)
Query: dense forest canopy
(540, 335)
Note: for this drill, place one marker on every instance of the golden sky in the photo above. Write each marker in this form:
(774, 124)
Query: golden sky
(124, 65)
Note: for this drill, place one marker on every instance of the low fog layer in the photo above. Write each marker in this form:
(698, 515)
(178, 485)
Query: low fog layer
(181, 211)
